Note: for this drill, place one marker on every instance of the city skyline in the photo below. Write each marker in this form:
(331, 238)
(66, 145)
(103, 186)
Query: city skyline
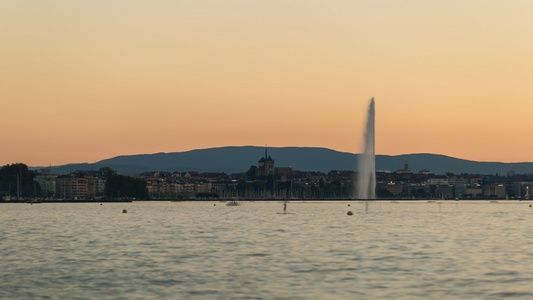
(87, 81)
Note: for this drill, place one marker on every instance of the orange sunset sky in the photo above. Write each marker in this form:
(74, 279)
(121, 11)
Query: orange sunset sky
(81, 81)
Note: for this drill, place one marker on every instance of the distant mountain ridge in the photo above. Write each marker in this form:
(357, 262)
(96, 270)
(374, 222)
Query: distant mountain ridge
(239, 159)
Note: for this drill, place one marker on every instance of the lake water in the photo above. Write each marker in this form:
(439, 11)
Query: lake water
(207, 250)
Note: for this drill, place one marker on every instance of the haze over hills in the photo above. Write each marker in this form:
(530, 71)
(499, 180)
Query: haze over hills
(239, 159)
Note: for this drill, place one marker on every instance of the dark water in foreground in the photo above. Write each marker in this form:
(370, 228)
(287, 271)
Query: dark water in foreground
(186, 250)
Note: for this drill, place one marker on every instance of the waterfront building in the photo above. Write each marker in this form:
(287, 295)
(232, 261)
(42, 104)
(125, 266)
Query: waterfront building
(47, 182)
(459, 190)
(395, 189)
(493, 190)
(99, 185)
(76, 186)
(442, 191)
(437, 181)
(474, 191)
(415, 189)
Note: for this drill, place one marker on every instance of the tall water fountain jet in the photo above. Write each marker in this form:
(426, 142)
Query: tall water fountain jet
(366, 162)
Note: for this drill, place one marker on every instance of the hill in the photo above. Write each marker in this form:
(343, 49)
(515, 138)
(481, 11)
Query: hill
(239, 159)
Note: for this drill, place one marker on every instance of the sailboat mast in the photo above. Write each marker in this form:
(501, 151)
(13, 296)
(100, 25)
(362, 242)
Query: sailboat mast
(18, 186)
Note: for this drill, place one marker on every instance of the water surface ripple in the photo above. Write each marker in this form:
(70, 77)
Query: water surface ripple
(207, 250)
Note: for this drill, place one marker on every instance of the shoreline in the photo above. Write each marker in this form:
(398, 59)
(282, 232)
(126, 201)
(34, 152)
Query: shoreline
(263, 200)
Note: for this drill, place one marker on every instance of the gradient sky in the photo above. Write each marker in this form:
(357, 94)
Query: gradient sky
(82, 81)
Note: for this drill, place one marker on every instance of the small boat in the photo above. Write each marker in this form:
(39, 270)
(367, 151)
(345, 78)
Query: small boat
(233, 202)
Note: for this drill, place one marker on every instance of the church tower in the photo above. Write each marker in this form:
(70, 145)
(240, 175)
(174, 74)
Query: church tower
(266, 165)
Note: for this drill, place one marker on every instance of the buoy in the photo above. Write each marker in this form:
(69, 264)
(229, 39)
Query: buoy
(348, 204)
(530, 205)
(349, 213)
(215, 204)
(124, 211)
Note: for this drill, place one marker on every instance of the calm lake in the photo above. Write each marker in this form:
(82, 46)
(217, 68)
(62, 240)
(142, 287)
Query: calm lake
(207, 250)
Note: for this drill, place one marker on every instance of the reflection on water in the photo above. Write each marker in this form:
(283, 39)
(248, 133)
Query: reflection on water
(169, 250)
